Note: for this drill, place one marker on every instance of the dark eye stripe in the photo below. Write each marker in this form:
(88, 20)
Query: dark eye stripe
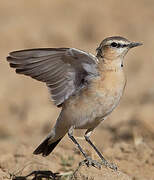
(118, 45)
(124, 45)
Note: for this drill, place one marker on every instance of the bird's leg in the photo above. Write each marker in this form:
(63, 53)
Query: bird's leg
(104, 161)
(88, 161)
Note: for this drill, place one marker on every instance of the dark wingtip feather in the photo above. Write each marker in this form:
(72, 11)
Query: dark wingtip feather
(8, 58)
(20, 71)
(13, 65)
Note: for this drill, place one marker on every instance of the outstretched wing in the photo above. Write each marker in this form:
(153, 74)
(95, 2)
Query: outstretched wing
(64, 70)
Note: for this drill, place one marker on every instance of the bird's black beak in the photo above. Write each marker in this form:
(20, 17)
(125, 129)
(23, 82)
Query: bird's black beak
(134, 44)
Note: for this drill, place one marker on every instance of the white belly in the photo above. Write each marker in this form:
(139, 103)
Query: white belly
(95, 111)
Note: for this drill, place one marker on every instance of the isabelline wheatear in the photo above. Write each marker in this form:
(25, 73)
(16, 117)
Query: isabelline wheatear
(86, 87)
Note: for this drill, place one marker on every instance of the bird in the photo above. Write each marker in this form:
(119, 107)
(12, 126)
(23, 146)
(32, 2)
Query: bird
(86, 87)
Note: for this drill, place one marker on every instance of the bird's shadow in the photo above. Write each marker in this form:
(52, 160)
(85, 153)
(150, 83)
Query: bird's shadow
(38, 175)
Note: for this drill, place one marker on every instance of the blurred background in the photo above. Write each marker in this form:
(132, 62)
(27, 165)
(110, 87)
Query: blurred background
(26, 112)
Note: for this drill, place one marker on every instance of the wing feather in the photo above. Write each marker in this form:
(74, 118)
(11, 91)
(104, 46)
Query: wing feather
(64, 70)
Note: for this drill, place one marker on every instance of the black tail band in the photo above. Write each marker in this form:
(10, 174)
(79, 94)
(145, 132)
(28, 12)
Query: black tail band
(45, 148)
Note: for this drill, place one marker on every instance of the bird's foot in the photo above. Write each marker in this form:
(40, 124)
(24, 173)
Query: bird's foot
(110, 165)
(90, 162)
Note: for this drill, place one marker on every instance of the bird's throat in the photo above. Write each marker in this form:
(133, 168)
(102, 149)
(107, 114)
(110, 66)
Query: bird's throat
(111, 65)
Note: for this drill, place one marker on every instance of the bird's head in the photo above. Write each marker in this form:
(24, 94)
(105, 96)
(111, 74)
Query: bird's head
(115, 47)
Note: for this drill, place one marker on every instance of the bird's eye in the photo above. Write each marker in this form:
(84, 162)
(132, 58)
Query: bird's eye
(114, 44)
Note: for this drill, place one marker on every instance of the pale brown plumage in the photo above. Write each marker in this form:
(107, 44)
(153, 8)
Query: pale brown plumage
(64, 70)
(87, 87)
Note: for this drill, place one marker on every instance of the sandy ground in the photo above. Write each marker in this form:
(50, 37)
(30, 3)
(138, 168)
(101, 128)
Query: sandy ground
(27, 114)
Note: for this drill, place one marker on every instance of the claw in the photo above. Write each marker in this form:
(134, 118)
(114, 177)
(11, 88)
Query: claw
(110, 165)
(90, 162)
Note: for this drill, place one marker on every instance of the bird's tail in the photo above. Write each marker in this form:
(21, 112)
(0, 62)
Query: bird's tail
(45, 148)
(53, 138)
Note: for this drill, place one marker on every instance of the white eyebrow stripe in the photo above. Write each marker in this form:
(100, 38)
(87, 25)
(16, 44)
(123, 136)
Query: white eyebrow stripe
(118, 42)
